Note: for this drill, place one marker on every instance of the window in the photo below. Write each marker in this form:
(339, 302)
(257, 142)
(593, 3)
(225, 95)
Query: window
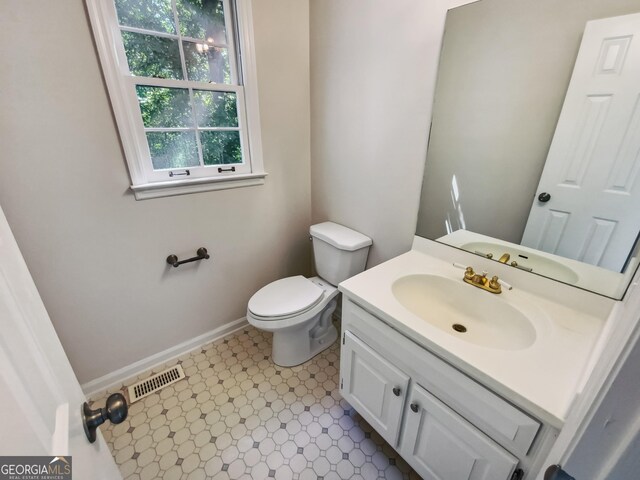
(184, 98)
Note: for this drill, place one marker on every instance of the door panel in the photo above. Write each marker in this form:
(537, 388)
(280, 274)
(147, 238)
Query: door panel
(592, 167)
(441, 445)
(40, 397)
(368, 383)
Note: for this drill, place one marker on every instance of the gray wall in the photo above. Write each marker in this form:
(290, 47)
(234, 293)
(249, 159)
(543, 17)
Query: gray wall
(96, 254)
(503, 75)
(373, 67)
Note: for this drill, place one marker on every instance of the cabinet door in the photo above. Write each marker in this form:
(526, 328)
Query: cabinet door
(373, 386)
(441, 445)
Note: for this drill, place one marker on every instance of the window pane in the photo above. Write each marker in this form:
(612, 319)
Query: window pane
(173, 149)
(164, 107)
(154, 15)
(151, 56)
(206, 64)
(202, 19)
(220, 147)
(215, 109)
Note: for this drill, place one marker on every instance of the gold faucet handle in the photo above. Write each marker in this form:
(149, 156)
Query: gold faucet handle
(494, 283)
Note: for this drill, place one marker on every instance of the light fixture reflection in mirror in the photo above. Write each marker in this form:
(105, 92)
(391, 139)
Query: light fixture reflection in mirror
(504, 72)
(456, 223)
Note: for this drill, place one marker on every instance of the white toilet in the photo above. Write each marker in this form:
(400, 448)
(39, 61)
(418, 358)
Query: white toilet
(297, 309)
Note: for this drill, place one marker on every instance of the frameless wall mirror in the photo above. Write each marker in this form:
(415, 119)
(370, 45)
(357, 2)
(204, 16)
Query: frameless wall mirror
(534, 150)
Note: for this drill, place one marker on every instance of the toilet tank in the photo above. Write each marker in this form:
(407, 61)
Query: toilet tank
(338, 251)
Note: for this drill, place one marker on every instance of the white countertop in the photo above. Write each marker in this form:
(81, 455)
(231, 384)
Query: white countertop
(542, 378)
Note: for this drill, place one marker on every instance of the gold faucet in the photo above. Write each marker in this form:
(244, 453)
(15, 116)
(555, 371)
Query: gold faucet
(504, 258)
(481, 281)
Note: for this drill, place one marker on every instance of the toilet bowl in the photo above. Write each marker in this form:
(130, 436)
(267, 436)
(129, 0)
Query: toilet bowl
(302, 327)
(298, 310)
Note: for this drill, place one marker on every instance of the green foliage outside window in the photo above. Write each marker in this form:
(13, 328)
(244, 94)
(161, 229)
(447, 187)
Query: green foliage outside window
(171, 108)
(165, 108)
(156, 15)
(173, 149)
(202, 19)
(219, 148)
(151, 56)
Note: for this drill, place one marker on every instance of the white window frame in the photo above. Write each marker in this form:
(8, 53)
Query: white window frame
(145, 181)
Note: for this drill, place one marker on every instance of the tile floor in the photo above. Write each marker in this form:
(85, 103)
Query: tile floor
(237, 415)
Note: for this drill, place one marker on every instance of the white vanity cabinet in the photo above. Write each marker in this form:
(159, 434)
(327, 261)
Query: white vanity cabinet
(444, 446)
(374, 387)
(443, 423)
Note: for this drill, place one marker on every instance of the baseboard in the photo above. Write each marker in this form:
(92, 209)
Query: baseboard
(117, 378)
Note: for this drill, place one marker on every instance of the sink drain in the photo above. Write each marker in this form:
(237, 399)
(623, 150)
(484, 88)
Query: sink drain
(459, 328)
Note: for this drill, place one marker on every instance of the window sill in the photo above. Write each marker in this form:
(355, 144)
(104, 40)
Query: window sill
(182, 187)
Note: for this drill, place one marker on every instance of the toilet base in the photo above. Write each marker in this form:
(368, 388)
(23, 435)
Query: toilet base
(294, 346)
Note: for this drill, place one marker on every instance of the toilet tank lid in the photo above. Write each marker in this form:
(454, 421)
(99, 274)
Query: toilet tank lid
(340, 236)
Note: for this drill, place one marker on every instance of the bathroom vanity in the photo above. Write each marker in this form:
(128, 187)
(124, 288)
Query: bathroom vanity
(463, 383)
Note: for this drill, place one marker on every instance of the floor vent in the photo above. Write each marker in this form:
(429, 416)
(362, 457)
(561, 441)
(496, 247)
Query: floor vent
(155, 383)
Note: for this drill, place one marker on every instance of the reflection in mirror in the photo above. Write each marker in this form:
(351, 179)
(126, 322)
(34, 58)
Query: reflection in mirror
(534, 150)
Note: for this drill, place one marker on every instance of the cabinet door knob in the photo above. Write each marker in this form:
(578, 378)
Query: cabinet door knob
(415, 407)
(397, 391)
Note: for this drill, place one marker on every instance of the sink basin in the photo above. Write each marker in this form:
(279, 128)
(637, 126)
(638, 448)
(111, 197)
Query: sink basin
(464, 311)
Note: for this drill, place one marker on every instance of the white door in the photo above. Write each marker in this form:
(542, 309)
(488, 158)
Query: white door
(40, 397)
(441, 445)
(373, 386)
(591, 173)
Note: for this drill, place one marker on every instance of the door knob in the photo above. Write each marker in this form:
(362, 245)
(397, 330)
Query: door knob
(115, 410)
(415, 407)
(544, 197)
(397, 391)
(555, 472)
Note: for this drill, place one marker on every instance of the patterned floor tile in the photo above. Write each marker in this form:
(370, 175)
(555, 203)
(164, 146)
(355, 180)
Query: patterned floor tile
(239, 416)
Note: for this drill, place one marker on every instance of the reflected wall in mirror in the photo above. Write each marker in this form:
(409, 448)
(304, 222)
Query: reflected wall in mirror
(534, 150)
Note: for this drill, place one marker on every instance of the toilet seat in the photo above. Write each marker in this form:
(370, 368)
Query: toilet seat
(301, 336)
(285, 298)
